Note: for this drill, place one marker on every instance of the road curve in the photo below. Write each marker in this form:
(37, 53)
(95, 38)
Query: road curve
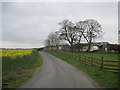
(56, 73)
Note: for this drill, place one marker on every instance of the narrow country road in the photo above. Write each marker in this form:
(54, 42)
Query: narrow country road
(56, 73)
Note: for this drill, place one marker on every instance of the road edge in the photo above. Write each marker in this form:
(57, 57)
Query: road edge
(37, 70)
(93, 82)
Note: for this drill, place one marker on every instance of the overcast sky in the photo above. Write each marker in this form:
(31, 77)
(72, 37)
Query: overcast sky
(27, 24)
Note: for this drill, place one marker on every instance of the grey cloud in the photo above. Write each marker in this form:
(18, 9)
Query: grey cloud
(0, 22)
(31, 22)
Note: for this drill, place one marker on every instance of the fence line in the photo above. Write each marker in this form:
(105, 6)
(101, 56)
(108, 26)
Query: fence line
(108, 65)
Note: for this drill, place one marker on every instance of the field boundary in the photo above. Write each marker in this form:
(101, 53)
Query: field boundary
(105, 78)
(94, 82)
(34, 74)
(21, 68)
(106, 65)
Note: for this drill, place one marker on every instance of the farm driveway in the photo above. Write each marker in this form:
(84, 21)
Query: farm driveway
(56, 73)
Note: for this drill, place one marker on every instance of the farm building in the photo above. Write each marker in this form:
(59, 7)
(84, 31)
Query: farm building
(114, 47)
(97, 46)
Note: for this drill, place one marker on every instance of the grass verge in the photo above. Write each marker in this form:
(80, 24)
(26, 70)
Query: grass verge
(18, 71)
(104, 78)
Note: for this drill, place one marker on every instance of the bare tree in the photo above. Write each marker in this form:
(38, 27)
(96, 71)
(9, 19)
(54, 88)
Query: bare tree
(73, 33)
(47, 42)
(52, 40)
(56, 40)
(68, 32)
(92, 31)
(80, 29)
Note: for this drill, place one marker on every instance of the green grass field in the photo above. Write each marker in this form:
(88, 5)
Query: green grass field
(104, 78)
(105, 55)
(94, 59)
(18, 70)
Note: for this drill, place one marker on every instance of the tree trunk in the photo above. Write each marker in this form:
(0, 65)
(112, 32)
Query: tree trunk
(89, 44)
(78, 47)
(89, 47)
(57, 47)
(71, 47)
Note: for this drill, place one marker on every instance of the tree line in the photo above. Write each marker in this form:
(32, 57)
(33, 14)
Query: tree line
(73, 33)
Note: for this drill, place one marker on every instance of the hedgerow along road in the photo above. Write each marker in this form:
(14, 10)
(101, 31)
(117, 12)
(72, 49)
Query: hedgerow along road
(56, 73)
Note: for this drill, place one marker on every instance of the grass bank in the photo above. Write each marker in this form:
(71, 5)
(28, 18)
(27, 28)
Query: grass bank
(16, 71)
(104, 78)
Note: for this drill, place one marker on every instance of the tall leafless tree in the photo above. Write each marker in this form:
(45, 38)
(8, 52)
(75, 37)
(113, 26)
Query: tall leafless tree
(92, 31)
(67, 32)
(56, 40)
(89, 30)
(80, 29)
(47, 42)
(52, 40)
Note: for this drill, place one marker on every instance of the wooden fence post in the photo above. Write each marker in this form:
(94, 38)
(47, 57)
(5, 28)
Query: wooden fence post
(101, 63)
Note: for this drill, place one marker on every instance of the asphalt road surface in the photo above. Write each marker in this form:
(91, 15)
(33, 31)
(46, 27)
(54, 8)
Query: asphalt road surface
(56, 73)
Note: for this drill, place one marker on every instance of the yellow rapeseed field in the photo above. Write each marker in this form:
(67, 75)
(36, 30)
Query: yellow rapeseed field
(13, 53)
